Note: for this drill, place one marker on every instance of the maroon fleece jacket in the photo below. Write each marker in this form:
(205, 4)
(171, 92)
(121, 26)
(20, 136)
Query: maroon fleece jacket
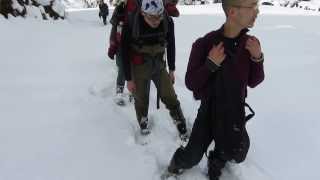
(201, 69)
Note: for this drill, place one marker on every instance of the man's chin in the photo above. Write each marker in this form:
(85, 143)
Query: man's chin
(154, 25)
(251, 24)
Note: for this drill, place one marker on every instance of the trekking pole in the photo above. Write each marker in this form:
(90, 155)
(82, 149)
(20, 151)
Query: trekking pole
(158, 82)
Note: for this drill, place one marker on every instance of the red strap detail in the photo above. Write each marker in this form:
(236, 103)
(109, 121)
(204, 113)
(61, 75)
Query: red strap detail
(131, 5)
(137, 59)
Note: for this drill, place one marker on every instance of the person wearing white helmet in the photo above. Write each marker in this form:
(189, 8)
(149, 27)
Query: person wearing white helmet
(152, 11)
(146, 37)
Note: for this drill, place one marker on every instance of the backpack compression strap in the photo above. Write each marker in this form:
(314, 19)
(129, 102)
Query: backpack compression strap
(252, 113)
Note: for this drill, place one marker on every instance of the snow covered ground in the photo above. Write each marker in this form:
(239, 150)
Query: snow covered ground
(58, 120)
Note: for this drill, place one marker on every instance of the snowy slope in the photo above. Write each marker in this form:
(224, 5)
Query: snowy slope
(58, 120)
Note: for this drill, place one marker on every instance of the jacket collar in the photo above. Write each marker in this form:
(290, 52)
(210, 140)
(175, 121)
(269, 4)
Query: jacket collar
(242, 32)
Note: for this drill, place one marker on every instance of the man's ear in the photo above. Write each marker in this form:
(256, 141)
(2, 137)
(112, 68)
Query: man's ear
(232, 12)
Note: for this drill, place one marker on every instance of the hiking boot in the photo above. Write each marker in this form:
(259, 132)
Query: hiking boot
(180, 122)
(172, 9)
(119, 89)
(120, 100)
(174, 168)
(183, 133)
(131, 98)
(215, 165)
(144, 127)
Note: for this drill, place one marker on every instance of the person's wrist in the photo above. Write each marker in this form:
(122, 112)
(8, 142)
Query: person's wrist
(259, 59)
(212, 60)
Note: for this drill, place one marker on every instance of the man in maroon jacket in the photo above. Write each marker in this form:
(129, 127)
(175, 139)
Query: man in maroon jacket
(221, 66)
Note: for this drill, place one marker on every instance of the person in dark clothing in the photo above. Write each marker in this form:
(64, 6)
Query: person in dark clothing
(221, 66)
(103, 11)
(114, 50)
(117, 21)
(143, 47)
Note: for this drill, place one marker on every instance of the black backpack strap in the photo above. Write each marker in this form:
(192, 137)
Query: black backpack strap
(118, 11)
(252, 113)
(133, 20)
(158, 82)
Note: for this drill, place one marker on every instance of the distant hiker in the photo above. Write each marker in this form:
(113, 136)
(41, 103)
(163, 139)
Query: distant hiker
(103, 11)
(148, 34)
(221, 66)
(171, 8)
(117, 22)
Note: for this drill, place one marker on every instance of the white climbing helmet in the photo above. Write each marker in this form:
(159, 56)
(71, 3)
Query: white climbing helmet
(152, 7)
